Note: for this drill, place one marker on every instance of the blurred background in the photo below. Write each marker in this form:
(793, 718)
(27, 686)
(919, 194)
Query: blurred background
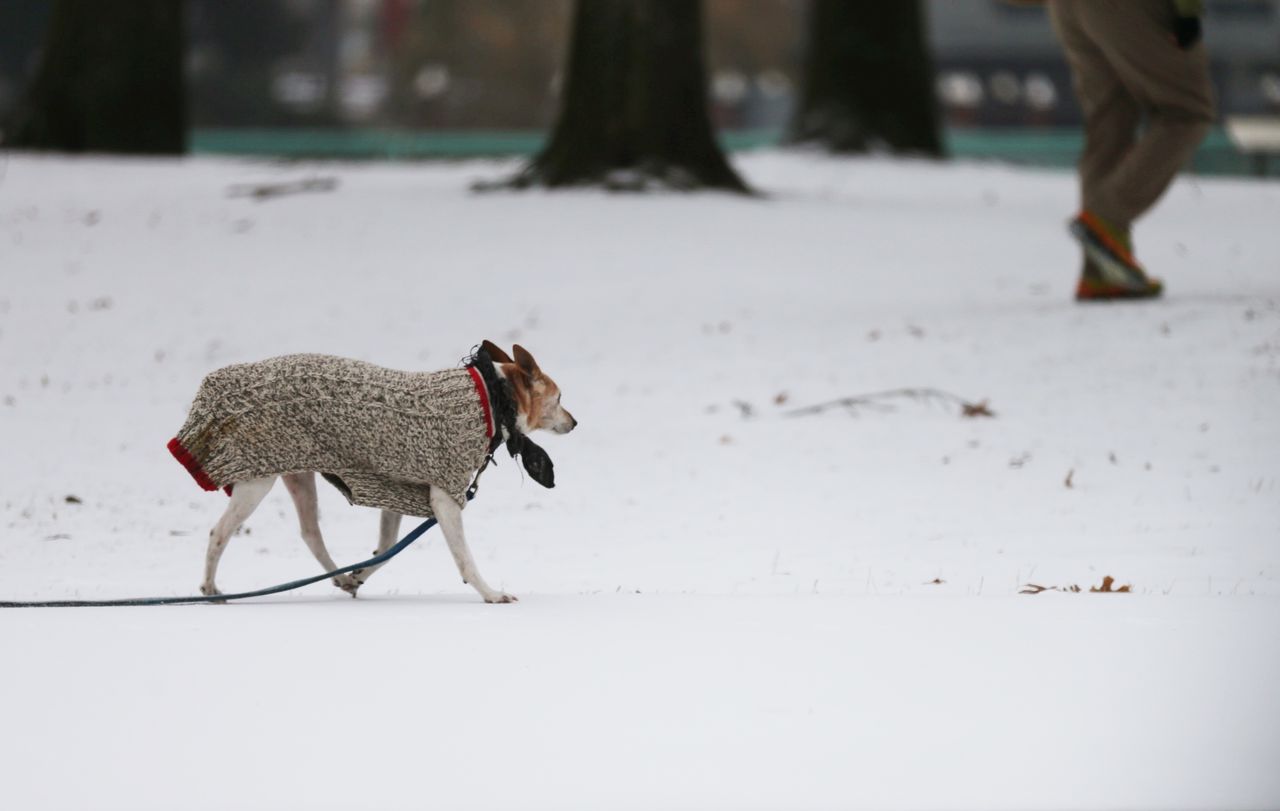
(455, 78)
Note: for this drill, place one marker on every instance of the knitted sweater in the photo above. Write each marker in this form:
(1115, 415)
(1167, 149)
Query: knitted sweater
(381, 436)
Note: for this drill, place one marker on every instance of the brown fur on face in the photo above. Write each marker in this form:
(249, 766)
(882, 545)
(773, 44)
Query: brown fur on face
(537, 395)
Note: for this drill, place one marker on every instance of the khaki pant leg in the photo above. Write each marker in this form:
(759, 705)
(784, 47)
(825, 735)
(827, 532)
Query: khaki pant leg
(1170, 84)
(1111, 113)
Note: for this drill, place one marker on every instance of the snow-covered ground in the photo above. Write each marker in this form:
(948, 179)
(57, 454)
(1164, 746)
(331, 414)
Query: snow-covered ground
(717, 611)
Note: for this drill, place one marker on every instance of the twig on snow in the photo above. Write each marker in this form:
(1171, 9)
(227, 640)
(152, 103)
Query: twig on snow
(262, 192)
(882, 401)
(1105, 588)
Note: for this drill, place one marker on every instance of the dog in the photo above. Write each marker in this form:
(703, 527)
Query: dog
(407, 443)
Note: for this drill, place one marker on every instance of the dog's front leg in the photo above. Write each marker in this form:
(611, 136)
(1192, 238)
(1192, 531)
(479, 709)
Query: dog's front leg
(449, 515)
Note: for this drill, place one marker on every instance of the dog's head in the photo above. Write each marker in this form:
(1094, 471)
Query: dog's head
(537, 395)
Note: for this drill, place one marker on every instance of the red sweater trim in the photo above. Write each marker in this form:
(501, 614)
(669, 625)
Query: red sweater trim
(483, 391)
(192, 465)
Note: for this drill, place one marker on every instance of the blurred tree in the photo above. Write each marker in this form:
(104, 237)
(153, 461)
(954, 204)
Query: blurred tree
(22, 22)
(635, 103)
(867, 79)
(110, 80)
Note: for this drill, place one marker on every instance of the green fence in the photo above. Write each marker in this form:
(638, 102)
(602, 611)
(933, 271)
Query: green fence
(1052, 148)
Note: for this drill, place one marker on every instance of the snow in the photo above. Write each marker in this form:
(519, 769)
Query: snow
(716, 611)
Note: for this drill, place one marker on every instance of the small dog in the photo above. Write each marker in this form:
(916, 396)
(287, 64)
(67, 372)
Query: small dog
(408, 443)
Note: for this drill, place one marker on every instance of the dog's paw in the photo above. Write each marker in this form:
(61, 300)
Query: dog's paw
(210, 590)
(501, 597)
(347, 583)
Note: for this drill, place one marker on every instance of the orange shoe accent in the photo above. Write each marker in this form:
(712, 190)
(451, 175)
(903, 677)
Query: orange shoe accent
(1103, 232)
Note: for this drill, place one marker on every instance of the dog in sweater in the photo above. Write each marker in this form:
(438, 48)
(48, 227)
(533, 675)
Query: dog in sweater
(408, 443)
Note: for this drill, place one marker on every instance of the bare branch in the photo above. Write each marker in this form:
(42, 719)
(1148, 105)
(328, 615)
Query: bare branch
(882, 400)
(269, 191)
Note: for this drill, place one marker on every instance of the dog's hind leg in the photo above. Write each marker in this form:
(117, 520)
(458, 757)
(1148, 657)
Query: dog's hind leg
(388, 528)
(245, 498)
(449, 514)
(302, 488)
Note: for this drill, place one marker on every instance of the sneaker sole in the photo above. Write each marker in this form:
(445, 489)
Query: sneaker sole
(1105, 294)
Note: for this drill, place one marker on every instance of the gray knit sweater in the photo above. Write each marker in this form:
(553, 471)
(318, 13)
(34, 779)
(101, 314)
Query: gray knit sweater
(381, 436)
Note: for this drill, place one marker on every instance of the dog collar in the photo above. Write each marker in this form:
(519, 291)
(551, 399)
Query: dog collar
(490, 430)
(501, 413)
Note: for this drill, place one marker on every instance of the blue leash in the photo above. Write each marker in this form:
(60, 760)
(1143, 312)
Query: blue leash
(400, 546)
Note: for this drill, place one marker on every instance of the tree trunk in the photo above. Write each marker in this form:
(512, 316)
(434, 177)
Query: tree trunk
(635, 103)
(868, 79)
(110, 80)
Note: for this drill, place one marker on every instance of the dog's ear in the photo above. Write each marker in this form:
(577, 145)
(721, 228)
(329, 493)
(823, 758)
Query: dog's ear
(526, 362)
(495, 354)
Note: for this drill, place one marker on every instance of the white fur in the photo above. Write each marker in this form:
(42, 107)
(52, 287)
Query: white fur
(247, 495)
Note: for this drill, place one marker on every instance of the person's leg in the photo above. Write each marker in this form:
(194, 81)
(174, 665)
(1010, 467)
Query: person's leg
(1170, 84)
(1111, 114)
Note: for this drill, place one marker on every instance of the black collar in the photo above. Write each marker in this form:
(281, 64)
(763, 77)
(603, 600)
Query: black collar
(502, 402)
